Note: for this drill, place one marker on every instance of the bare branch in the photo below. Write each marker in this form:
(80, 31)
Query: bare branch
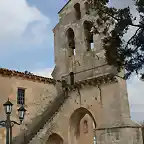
(107, 13)
(140, 26)
(132, 38)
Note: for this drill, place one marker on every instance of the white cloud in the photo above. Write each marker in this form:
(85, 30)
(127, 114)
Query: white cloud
(44, 72)
(122, 3)
(15, 16)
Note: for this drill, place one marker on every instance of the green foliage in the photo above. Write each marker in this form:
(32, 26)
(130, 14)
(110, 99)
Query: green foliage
(123, 55)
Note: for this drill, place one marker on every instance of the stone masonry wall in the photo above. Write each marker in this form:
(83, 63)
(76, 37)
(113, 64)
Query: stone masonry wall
(37, 96)
(83, 59)
(101, 105)
(119, 136)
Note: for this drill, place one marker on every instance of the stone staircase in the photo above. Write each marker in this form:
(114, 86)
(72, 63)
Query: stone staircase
(34, 129)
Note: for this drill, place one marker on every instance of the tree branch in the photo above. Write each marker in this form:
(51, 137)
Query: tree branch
(140, 26)
(106, 12)
(131, 38)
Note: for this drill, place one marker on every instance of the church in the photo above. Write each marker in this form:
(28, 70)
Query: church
(84, 103)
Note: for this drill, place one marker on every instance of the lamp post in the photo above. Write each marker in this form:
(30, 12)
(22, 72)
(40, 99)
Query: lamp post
(8, 124)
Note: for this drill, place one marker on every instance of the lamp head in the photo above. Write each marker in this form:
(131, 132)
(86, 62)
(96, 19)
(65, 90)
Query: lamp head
(8, 107)
(21, 112)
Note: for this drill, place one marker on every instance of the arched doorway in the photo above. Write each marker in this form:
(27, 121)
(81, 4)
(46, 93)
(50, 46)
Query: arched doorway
(55, 139)
(82, 125)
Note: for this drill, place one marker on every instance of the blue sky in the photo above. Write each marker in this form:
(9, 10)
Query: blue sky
(26, 41)
(30, 46)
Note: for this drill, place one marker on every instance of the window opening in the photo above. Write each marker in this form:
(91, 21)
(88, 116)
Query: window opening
(88, 35)
(86, 7)
(85, 126)
(71, 42)
(71, 78)
(21, 96)
(77, 11)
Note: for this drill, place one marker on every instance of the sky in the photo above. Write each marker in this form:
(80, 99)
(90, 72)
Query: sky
(26, 41)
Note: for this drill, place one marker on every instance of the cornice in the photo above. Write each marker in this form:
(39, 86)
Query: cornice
(95, 81)
(28, 76)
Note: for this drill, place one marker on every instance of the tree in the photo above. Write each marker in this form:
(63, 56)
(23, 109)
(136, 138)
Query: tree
(128, 55)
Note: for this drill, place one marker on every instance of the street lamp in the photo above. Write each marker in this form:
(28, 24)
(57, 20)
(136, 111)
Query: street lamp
(8, 124)
(21, 112)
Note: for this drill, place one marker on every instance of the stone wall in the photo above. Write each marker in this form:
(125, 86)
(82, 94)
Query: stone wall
(84, 63)
(37, 96)
(103, 105)
(118, 135)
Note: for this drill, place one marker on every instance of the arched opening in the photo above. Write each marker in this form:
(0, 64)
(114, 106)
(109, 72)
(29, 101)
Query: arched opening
(77, 11)
(86, 7)
(55, 139)
(88, 35)
(71, 42)
(82, 125)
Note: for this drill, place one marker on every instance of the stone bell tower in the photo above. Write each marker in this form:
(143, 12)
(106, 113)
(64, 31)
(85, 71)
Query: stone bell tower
(76, 49)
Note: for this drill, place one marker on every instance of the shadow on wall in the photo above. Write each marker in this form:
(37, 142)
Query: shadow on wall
(55, 139)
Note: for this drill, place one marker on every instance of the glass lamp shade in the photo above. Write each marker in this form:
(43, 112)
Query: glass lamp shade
(8, 107)
(21, 112)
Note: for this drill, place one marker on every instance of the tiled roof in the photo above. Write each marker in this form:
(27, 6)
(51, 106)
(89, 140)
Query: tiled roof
(25, 75)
